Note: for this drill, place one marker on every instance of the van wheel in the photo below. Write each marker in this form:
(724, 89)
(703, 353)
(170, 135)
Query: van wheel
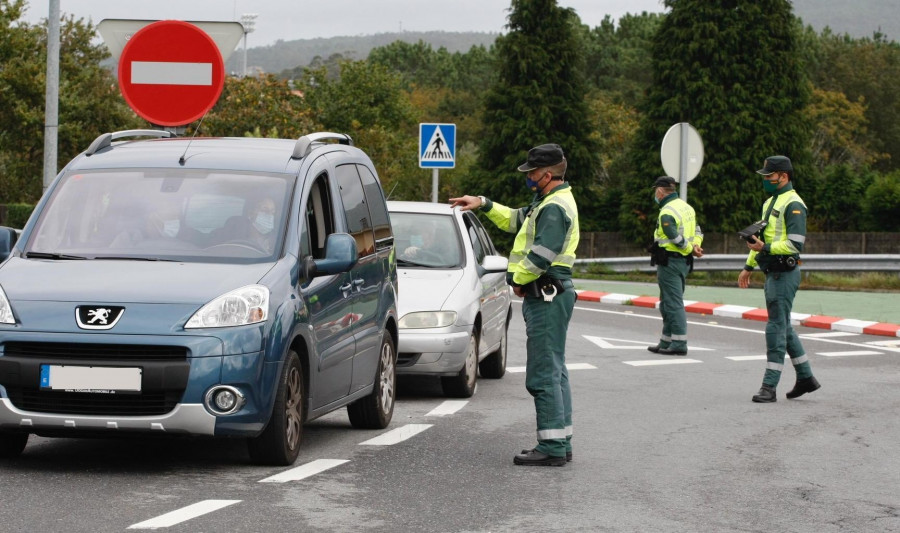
(375, 410)
(462, 385)
(12, 444)
(494, 365)
(279, 443)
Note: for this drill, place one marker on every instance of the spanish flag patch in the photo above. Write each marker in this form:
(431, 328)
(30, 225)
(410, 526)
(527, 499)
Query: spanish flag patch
(796, 212)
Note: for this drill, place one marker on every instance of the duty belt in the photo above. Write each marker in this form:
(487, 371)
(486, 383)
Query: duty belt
(545, 287)
(781, 263)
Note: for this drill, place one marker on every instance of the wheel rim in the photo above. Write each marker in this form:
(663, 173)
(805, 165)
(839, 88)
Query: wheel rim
(387, 377)
(293, 420)
(472, 363)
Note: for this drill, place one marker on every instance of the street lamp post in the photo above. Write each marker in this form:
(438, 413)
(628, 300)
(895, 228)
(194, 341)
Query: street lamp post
(248, 21)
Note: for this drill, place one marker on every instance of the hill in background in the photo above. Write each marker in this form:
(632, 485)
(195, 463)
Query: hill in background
(861, 18)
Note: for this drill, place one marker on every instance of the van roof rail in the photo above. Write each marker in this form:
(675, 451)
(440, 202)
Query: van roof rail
(304, 144)
(106, 139)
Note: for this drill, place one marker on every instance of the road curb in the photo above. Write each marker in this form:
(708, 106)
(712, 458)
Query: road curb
(750, 313)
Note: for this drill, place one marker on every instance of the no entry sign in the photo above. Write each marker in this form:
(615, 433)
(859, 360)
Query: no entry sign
(171, 73)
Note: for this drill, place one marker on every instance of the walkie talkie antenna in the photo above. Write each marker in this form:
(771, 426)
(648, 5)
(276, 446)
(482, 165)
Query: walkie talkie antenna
(181, 159)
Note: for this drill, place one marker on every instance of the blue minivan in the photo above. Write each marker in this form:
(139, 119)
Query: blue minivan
(227, 287)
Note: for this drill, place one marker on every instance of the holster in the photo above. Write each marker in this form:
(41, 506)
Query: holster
(658, 255)
(781, 263)
(536, 287)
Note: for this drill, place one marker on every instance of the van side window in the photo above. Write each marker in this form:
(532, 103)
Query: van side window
(319, 219)
(358, 222)
(377, 208)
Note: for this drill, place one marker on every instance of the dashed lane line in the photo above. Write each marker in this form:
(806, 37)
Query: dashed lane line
(396, 435)
(828, 334)
(304, 471)
(849, 354)
(747, 357)
(661, 362)
(184, 514)
(569, 366)
(447, 408)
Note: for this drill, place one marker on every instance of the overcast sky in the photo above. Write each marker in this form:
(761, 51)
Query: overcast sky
(297, 19)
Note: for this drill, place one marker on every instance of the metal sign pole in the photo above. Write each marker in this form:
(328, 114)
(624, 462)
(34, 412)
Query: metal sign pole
(51, 98)
(434, 184)
(683, 161)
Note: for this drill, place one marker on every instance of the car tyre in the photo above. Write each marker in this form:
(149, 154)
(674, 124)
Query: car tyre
(463, 384)
(279, 443)
(375, 410)
(12, 444)
(494, 365)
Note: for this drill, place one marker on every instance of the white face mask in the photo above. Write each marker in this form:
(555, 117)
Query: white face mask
(264, 222)
(171, 227)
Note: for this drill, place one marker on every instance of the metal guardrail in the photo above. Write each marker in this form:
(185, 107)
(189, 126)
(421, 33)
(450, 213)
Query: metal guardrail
(734, 262)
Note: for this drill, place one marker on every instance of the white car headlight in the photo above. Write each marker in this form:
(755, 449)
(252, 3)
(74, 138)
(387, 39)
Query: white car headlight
(428, 319)
(247, 305)
(6, 314)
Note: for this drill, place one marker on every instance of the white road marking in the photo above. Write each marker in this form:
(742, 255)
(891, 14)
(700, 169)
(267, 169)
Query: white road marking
(570, 366)
(828, 334)
(641, 345)
(448, 408)
(184, 514)
(304, 471)
(747, 358)
(396, 435)
(660, 362)
(846, 354)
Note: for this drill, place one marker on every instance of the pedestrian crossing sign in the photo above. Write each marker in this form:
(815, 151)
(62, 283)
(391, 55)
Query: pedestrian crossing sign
(437, 145)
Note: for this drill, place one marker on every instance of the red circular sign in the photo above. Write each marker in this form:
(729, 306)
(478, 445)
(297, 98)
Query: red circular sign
(171, 72)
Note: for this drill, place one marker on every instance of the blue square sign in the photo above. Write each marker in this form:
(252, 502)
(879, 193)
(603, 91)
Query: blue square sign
(437, 145)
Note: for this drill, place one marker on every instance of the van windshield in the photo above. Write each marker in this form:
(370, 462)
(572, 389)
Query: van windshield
(166, 215)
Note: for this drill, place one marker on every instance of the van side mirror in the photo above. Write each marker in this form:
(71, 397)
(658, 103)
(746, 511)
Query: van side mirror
(8, 238)
(340, 256)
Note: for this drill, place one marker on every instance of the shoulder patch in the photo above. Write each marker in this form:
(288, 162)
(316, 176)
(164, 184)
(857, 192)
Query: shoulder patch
(796, 211)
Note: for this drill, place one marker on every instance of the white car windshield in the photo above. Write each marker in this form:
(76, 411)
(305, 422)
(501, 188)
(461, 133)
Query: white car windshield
(426, 240)
(164, 214)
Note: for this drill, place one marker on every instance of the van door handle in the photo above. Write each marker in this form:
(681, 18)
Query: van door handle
(358, 283)
(346, 288)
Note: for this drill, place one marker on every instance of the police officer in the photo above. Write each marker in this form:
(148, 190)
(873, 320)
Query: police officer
(777, 253)
(676, 242)
(540, 271)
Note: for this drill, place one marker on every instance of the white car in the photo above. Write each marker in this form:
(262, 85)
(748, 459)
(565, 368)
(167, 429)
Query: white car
(454, 302)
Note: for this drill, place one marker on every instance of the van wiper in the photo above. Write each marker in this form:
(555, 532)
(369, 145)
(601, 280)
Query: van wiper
(130, 258)
(45, 255)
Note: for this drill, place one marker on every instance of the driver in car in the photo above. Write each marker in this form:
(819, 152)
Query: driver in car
(423, 244)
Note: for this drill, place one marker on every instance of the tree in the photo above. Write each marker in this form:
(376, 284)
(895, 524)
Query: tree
(89, 99)
(881, 206)
(263, 104)
(539, 97)
(732, 70)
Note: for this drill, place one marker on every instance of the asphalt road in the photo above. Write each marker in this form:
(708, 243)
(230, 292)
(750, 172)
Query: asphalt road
(658, 447)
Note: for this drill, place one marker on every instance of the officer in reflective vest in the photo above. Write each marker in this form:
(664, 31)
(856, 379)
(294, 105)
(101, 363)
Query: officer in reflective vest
(540, 271)
(676, 242)
(777, 253)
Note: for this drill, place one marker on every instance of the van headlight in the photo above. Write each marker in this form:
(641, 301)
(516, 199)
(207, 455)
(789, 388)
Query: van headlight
(247, 305)
(428, 319)
(6, 314)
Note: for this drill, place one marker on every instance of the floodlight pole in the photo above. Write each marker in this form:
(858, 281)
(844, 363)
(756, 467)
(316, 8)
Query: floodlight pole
(51, 98)
(248, 21)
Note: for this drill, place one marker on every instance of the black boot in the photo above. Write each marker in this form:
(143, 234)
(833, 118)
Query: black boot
(803, 386)
(536, 458)
(766, 394)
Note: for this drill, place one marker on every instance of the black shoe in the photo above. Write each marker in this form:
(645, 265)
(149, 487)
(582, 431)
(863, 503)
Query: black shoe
(677, 351)
(536, 458)
(803, 386)
(766, 394)
(654, 349)
(568, 455)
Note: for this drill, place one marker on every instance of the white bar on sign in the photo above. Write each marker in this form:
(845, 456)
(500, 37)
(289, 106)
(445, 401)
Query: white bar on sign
(397, 435)
(448, 408)
(170, 73)
(184, 514)
(304, 471)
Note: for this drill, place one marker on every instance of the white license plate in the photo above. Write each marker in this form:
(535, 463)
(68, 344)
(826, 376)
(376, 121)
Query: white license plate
(96, 379)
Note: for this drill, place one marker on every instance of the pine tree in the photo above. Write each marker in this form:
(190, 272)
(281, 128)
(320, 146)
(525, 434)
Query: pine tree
(732, 70)
(539, 97)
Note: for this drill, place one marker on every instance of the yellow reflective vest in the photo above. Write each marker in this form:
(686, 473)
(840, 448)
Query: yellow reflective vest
(689, 233)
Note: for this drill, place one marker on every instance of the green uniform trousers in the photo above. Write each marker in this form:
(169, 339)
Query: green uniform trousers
(780, 289)
(671, 280)
(546, 376)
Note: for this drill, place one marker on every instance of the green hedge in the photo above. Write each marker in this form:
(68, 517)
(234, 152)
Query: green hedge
(15, 215)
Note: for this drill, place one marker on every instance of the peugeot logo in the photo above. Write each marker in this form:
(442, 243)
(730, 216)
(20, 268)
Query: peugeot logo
(98, 316)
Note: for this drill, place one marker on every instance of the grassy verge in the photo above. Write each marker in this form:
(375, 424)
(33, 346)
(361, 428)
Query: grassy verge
(832, 281)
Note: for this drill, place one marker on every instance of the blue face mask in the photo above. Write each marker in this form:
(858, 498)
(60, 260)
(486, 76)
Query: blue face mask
(655, 198)
(264, 222)
(171, 227)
